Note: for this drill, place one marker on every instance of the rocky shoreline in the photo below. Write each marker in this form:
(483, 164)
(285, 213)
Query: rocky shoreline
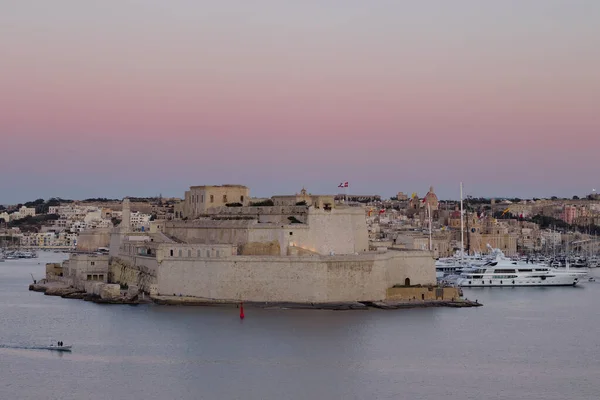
(67, 292)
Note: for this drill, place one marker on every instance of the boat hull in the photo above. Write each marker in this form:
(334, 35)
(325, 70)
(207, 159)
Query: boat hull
(56, 348)
(520, 282)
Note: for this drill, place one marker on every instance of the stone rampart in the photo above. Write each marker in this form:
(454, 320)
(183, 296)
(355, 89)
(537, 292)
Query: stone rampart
(134, 271)
(341, 230)
(322, 279)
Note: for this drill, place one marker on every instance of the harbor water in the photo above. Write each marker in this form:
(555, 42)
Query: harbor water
(524, 343)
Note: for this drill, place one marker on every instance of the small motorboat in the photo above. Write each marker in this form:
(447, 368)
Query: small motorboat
(56, 348)
(591, 279)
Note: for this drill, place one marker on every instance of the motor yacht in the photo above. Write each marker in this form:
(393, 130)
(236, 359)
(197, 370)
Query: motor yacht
(502, 271)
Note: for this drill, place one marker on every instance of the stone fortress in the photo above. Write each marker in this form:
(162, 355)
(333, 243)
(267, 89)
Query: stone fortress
(302, 249)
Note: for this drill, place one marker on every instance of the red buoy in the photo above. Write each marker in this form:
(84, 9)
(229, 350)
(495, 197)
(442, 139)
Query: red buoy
(242, 310)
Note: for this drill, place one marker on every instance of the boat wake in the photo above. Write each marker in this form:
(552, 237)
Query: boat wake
(24, 347)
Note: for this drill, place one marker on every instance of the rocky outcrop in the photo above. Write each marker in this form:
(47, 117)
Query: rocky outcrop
(110, 291)
(54, 289)
(394, 305)
(37, 288)
(61, 291)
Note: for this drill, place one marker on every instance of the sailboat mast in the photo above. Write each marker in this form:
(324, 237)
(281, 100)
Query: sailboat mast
(462, 228)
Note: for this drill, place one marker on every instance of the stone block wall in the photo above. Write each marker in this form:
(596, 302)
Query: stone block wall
(364, 277)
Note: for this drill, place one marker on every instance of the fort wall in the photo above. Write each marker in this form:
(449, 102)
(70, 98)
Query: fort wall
(320, 279)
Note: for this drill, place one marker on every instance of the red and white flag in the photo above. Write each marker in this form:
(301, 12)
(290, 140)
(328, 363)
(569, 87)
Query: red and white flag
(343, 185)
(382, 211)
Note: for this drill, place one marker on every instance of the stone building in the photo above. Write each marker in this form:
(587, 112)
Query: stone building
(304, 198)
(85, 268)
(299, 253)
(199, 199)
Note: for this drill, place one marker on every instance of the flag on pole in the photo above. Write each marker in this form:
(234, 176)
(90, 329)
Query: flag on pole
(382, 211)
(343, 185)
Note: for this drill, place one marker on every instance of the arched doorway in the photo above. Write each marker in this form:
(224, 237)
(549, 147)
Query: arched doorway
(407, 282)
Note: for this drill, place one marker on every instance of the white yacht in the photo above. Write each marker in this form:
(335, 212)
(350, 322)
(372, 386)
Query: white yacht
(505, 272)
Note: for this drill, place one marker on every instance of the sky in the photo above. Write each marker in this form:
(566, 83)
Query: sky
(148, 97)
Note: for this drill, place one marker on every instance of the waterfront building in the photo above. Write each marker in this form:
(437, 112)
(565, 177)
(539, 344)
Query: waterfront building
(82, 269)
(317, 252)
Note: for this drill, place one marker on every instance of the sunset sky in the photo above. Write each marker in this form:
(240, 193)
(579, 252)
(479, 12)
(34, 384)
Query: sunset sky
(141, 97)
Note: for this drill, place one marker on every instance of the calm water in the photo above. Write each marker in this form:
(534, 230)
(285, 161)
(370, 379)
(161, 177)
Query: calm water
(525, 343)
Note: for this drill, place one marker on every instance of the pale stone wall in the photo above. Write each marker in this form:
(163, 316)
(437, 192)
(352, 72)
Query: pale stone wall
(342, 230)
(93, 239)
(53, 271)
(266, 214)
(135, 271)
(365, 277)
(318, 201)
(201, 198)
(81, 268)
(209, 231)
(179, 250)
(110, 291)
(414, 265)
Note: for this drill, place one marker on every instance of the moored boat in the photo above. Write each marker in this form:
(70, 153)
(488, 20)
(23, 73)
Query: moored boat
(504, 272)
(56, 348)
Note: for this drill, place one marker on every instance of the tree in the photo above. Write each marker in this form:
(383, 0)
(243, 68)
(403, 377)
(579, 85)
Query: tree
(575, 197)
(266, 203)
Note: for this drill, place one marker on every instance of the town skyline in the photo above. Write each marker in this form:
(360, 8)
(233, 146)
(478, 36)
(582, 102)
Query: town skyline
(278, 95)
(384, 197)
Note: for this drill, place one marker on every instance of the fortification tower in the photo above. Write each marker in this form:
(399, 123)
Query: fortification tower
(126, 217)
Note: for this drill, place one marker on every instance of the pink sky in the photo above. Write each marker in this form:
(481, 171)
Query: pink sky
(146, 99)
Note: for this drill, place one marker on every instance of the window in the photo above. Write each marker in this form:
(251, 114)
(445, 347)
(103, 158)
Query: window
(89, 277)
(101, 277)
(199, 253)
(93, 263)
(202, 199)
(212, 198)
(189, 253)
(208, 253)
(224, 198)
(179, 252)
(241, 199)
(171, 252)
